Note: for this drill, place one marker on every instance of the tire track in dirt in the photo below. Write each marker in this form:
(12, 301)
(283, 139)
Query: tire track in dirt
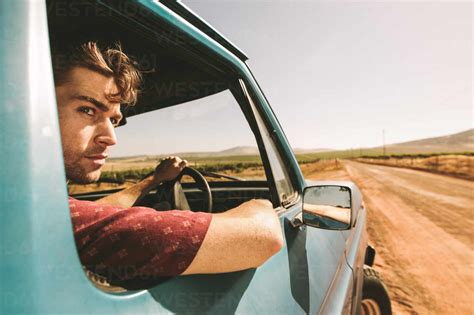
(421, 225)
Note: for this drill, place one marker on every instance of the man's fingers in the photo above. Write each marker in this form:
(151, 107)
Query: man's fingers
(175, 161)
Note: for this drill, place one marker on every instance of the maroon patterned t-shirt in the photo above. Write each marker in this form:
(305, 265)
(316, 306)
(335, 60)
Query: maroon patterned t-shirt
(136, 247)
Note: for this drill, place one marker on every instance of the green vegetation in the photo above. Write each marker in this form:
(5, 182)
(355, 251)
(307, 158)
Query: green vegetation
(137, 174)
(231, 167)
(369, 153)
(420, 155)
(122, 176)
(341, 154)
(240, 163)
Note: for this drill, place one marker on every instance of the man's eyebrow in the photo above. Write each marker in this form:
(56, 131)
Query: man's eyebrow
(97, 104)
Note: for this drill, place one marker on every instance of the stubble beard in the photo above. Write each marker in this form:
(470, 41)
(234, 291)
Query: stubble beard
(77, 173)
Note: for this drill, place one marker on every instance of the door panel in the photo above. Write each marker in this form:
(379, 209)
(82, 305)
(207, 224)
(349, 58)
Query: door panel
(318, 255)
(295, 281)
(356, 245)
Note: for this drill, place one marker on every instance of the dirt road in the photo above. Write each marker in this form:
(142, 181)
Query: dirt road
(422, 227)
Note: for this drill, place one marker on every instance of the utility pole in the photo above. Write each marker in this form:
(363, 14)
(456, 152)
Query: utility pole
(383, 135)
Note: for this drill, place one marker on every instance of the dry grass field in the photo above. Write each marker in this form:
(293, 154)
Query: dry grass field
(323, 169)
(454, 165)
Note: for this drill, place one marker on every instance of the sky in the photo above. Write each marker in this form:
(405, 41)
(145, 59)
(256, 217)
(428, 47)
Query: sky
(339, 73)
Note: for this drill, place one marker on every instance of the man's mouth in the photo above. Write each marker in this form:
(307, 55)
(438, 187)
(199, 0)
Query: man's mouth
(97, 159)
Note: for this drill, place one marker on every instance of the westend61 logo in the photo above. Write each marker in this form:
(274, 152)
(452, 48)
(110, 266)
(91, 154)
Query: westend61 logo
(146, 63)
(71, 9)
(190, 89)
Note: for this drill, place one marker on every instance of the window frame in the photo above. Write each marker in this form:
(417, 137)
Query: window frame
(246, 98)
(239, 95)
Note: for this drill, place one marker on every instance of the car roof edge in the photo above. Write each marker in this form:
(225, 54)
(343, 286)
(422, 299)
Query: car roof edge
(186, 13)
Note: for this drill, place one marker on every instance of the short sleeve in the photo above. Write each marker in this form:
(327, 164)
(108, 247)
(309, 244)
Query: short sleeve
(136, 247)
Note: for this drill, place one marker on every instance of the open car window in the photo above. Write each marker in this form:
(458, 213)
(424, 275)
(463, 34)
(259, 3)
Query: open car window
(188, 106)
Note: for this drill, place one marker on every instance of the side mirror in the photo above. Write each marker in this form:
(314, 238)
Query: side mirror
(328, 207)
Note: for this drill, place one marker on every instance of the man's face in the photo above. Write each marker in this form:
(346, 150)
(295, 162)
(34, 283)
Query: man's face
(87, 120)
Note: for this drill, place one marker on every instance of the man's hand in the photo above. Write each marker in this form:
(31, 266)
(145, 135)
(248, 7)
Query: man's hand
(169, 169)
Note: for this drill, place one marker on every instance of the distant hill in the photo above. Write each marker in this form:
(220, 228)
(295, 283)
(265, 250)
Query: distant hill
(244, 150)
(235, 151)
(458, 142)
(305, 151)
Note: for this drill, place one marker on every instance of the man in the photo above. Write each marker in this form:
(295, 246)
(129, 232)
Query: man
(134, 246)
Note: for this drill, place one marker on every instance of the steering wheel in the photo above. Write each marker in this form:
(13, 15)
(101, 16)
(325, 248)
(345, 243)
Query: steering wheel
(173, 193)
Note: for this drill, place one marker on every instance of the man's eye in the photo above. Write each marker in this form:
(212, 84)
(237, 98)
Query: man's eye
(114, 122)
(87, 110)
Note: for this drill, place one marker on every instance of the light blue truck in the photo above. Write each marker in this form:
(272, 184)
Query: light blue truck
(325, 265)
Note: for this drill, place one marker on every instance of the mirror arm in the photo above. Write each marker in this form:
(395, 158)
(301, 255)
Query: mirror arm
(297, 221)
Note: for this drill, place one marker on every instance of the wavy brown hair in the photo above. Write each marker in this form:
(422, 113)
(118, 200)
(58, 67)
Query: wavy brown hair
(109, 61)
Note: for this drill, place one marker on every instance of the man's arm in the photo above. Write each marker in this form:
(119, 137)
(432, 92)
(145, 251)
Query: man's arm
(342, 215)
(168, 169)
(241, 238)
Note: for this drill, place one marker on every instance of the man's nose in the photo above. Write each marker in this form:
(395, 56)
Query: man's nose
(106, 134)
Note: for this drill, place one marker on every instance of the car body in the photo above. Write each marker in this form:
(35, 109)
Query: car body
(318, 270)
